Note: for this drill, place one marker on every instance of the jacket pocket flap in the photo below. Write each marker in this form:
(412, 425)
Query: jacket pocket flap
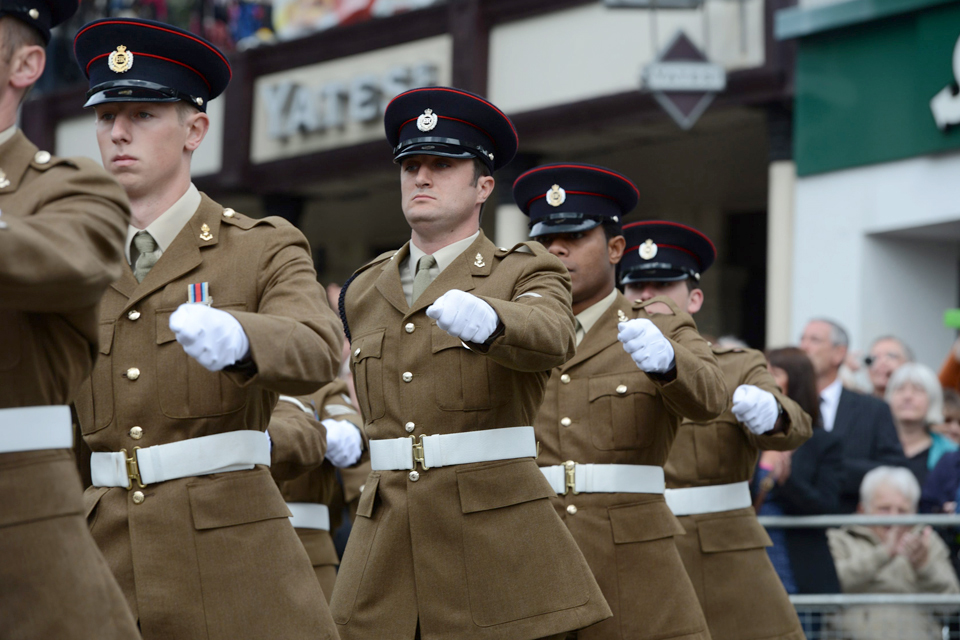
(368, 346)
(164, 332)
(643, 522)
(368, 496)
(105, 337)
(440, 340)
(735, 533)
(617, 385)
(214, 503)
(501, 485)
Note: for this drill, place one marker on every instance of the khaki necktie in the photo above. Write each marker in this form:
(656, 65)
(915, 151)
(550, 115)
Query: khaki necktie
(580, 333)
(423, 279)
(147, 255)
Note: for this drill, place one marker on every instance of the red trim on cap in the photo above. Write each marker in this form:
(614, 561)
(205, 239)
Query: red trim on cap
(671, 224)
(672, 246)
(446, 118)
(150, 26)
(467, 95)
(148, 55)
(576, 166)
(576, 193)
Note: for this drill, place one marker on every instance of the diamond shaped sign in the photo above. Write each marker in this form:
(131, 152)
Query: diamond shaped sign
(683, 80)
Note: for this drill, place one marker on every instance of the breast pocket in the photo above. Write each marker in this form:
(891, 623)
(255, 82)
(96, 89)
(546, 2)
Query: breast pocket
(462, 380)
(622, 412)
(367, 363)
(185, 388)
(94, 400)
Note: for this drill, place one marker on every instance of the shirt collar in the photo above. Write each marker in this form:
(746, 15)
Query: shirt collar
(166, 228)
(443, 256)
(589, 316)
(7, 133)
(832, 392)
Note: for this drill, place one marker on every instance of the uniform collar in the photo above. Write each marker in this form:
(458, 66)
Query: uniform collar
(7, 134)
(165, 228)
(443, 256)
(589, 316)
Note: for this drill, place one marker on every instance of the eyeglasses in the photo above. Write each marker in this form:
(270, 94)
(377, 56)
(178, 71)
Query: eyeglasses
(871, 359)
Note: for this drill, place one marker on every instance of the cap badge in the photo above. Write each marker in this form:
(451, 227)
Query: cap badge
(556, 196)
(427, 120)
(120, 60)
(648, 250)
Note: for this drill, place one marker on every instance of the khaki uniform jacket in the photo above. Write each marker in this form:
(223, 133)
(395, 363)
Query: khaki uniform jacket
(319, 485)
(474, 551)
(213, 556)
(725, 553)
(620, 415)
(62, 225)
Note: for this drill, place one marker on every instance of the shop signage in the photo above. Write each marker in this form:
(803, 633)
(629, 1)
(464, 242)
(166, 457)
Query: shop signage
(946, 104)
(341, 102)
(683, 81)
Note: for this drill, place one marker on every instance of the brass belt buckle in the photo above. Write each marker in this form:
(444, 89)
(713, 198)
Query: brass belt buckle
(133, 469)
(418, 456)
(570, 477)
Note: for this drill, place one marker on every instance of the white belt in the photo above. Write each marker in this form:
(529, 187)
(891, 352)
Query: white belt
(35, 428)
(604, 478)
(220, 453)
(720, 497)
(454, 448)
(307, 515)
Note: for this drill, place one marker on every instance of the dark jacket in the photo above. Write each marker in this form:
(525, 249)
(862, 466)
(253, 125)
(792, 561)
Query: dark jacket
(813, 488)
(941, 484)
(865, 426)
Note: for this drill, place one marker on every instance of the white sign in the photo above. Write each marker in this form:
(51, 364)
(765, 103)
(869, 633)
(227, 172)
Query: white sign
(341, 102)
(684, 76)
(945, 105)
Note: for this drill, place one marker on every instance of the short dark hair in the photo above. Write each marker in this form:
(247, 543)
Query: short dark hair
(611, 230)
(16, 34)
(480, 169)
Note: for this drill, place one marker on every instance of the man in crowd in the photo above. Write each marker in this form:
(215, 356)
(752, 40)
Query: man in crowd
(712, 460)
(453, 340)
(216, 314)
(607, 423)
(61, 245)
(864, 423)
(887, 353)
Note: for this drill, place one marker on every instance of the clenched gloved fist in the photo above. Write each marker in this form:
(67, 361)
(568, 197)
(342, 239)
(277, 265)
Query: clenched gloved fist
(464, 316)
(214, 338)
(648, 347)
(755, 408)
(344, 444)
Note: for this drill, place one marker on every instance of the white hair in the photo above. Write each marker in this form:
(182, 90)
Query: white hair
(838, 335)
(899, 478)
(922, 376)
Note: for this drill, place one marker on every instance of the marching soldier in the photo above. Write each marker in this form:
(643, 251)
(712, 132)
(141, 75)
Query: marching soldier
(310, 495)
(453, 340)
(712, 461)
(605, 426)
(62, 222)
(216, 314)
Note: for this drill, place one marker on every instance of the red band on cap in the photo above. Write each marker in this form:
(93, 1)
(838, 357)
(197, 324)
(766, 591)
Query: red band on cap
(575, 193)
(644, 223)
(149, 55)
(467, 95)
(577, 166)
(446, 118)
(672, 246)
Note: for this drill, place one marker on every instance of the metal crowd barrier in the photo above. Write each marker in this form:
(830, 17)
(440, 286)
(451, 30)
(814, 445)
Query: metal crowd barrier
(874, 616)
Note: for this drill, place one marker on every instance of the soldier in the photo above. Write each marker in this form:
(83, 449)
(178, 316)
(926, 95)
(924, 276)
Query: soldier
(61, 245)
(310, 495)
(712, 461)
(605, 426)
(453, 341)
(217, 314)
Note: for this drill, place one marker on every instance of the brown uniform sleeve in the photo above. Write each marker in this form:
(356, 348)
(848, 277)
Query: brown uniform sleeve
(295, 337)
(299, 439)
(798, 426)
(538, 331)
(62, 257)
(950, 373)
(696, 390)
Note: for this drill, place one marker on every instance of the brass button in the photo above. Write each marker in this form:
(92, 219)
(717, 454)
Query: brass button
(622, 389)
(138, 497)
(566, 422)
(42, 157)
(136, 433)
(229, 213)
(565, 379)
(572, 510)
(33, 13)
(409, 427)
(409, 327)
(357, 352)
(407, 376)
(132, 373)
(134, 315)
(414, 476)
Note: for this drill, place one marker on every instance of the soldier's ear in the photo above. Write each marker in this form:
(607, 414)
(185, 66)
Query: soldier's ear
(26, 66)
(197, 126)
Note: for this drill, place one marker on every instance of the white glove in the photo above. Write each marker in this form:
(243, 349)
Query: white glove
(465, 316)
(650, 350)
(214, 338)
(755, 408)
(344, 443)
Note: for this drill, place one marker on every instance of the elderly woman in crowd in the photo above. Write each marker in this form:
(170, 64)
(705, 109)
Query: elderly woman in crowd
(891, 559)
(916, 400)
